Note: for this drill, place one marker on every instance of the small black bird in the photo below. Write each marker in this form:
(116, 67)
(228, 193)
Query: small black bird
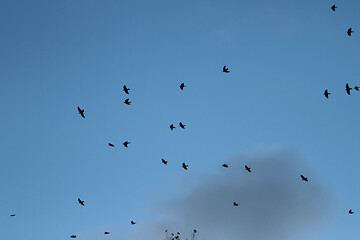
(247, 168)
(182, 125)
(126, 90)
(333, 7)
(326, 93)
(195, 231)
(172, 127)
(164, 161)
(126, 143)
(12, 215)
(236, 204)
(127, 101)
(351, 211)
(182, 86)
(303, 178)
(81, 112)
(356, 88)
(133, 223)
(73, 236)
(111, 145)
(225, 69)
(81, 202)
(225, 165)
(185, 166)
(350, 31)
(348, 89)
(106, 232)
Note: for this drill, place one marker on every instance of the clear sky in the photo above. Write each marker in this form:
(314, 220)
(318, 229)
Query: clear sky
(282, 55)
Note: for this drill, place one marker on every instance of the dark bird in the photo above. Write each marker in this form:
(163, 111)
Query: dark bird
(111, 145)
(351, 211)
(106, 232)
(81, 202)
(172, 127)
(195, 231)
(225, 165)
(133, 223)
(164, 161)
(182, 125)
(303, 178)
(326, 93)
(12, 215)
(225, 69)
(247, 168)
(356, 88)
(348, 89)
(127, 101)
(185, 166)
(350, 31)
(126, 90)
(236, 204)
(81, 112)
(73, 236)
(182, 86)
(333, 7)
(126, 143)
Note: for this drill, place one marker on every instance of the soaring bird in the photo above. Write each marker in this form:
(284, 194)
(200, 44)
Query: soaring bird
(185, 166)
(182, 125)
(326, 93)
(350, 31)
(172, 127)
(126, 143)
(127, 101)
(333, 7)
(356, 88)
(351, 211)
(348, 89)
(133, 223)
(303, 178)
(164, 161)
(225, 69)
(106, 232)
(247, 168)
(236, 204)
(111, 145)
(225, 165)
(12, 215)
(126, 90)
(81, 202)
(73, 236)
(182, 86)
(81, 112)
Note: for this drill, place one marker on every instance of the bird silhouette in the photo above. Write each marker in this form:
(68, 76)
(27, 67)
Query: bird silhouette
(303, 178)
(172, 127)
(81, 112)
(247, 168)
(236, 204)
(164, 161)
(12, 215)
(127, 101)
(225, 165)
(326, 93)
(333, 7)
(133, 223)
(182, 125)
(351, 211)
(106, 232)
(126, 143)
(126, 90)
(185, 166)
(182, 86)
(225, 69)
(73, 236)
(350, 31)
(195, 231)
(81, 202)
(111, 145)
(348, 89)
(356, 88)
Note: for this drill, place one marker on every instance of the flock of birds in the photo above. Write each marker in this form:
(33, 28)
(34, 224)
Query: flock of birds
(181, 125)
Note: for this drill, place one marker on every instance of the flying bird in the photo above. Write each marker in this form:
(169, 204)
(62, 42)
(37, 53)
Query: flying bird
(172, 127)
(333, 7)
(111, 145)
(81, 202)
(182, 125)
(126, 143)
(247, 168)
(127, 101)
(106, 232)
(126, 90)
(195, 231)
(73, 236)
(350, 31)
(185, 166)
(303, 178)
(12, 215)
(351, 211)
(326, 93)
(81, 112)
(236, 204)
(164, 161)
(182, 86)
(225, 165)
(225, 69)
(348, 89)
(356, 88)
(133, 223)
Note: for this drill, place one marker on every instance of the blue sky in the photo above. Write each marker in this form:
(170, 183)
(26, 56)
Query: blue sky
(57, 55)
